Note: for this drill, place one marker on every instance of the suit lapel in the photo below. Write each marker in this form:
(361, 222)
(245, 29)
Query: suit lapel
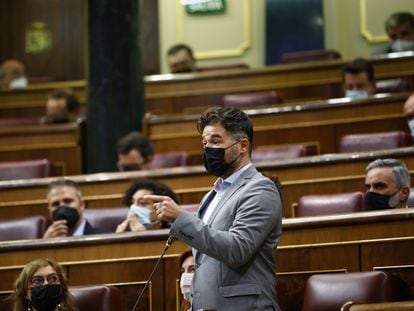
(239, 182)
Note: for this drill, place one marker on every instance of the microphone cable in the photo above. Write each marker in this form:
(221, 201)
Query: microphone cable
(166, 247)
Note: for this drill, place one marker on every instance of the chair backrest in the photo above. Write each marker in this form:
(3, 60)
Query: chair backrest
(25, 169)
(410, 201)
(106, 218)
(20, 121)
(375, 141)
(306, 56)
(31, 227)
(96, 297)
(264, 98)
(325, 204)
(392, 85)
(169, 159)
(325, 292)
(275, 152)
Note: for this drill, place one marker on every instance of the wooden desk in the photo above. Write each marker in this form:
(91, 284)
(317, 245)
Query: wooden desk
(60, 143)
(127, 259)
(322, 123)
(295, 82)
(31, 101)
(177, 93)
(27, 197)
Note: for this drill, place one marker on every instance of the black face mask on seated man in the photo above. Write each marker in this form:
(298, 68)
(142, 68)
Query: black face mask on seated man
(375, 201)
(70, 214)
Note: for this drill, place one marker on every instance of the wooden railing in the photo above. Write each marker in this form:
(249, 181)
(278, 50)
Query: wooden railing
(322, 124)
(178, 93)
(61, 144)
(123, 259)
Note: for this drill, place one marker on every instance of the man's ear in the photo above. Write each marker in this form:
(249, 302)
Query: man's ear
(405, 193)
(244, 143)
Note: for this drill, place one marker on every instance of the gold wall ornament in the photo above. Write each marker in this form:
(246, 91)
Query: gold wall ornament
(38, 38)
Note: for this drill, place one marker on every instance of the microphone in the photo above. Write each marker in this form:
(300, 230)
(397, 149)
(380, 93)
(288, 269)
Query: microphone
(166, 247)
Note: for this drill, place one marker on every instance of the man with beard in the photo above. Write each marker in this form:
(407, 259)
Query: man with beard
(238, 226)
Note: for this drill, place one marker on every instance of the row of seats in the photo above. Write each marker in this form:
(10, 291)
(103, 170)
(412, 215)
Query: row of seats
(33, 227)
(349, 143)
(90, 297)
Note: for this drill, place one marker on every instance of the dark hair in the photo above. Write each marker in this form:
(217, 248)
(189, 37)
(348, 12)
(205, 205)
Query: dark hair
(178, 47)
(63, 182)
(399, 18)
(135, 140)
(72, 102)
(154, 186)
(233, 120)
(359, 65)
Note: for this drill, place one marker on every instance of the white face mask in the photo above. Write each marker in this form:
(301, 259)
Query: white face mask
(185, 284)
(356, 94)
(143, 214)
(401, 45)
(411, 126)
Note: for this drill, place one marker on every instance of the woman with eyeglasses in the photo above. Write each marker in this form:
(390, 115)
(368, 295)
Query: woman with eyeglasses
(42, 286)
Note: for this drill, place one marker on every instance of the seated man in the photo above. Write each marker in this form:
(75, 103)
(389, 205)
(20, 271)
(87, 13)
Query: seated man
(135, 152)
(388, 184)
(358, 79)
(66, 207)
(400, 30)
(180, 59)
(12, 74)
(62, 106)
(409, 112)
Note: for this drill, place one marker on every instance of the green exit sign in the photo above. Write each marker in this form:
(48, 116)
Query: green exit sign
(204, 6)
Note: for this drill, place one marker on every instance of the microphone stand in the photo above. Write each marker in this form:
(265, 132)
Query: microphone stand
(166, 247)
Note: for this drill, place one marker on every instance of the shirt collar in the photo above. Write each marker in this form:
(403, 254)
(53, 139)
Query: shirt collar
(80, 229)
(220, 184)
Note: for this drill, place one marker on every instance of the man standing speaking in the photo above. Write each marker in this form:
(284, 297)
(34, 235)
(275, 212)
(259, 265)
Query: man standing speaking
(238, 226)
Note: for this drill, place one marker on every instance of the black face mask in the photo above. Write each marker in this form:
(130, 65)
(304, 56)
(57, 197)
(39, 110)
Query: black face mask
(70, 214)
(130, 167)
(56, 120)
(376, 201)
(46, 297)
(213, 160)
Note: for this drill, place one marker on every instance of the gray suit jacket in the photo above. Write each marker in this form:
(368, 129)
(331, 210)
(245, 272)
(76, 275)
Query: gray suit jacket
(235, 251)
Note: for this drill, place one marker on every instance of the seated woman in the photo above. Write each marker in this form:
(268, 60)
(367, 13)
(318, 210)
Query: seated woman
(141, 214)
(42, 286)
(187, 266)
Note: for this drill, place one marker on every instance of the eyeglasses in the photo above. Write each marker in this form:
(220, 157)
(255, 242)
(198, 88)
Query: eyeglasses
(39, 280)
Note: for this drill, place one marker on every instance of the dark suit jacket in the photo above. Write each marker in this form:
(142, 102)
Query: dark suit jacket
(93, 230)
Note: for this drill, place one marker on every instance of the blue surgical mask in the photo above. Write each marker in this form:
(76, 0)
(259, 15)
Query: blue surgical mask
(143, 215)
(401, 45)
(356, 94)
(411, 126)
